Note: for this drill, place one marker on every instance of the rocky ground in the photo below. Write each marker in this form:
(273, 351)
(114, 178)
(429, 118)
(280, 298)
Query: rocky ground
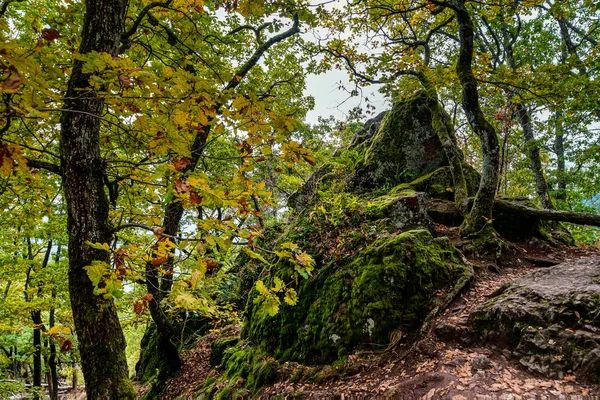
(444, 364)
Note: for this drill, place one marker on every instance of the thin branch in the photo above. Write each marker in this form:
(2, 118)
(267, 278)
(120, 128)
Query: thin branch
(126, 35)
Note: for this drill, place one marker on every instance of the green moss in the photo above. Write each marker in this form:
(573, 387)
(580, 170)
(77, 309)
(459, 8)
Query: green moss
(218, 347)
(389, 285)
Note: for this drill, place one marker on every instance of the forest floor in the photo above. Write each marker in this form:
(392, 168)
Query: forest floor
(431, 368)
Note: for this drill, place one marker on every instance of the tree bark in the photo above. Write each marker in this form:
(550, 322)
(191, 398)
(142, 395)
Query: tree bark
(52, 357)
(533, 151)
(101, 339)
(549, 215)
(481, 212)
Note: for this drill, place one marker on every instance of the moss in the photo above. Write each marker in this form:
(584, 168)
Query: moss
(403, 146)
(242, 363)
(218, 347)
(147, 367)
(389, 285)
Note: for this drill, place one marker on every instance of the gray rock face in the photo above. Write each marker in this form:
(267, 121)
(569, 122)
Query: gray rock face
(398, 146)
(550, 319)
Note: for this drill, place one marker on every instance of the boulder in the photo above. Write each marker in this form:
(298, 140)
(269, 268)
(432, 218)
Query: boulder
(549, 319)
(390, 286)
(398, 146)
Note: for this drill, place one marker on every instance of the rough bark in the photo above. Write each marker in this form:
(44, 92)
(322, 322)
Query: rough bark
(549, 215)
(533, 151)
(481, 212)
(101, 340)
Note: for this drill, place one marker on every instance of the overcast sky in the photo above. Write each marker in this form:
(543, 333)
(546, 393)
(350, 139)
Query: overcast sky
(330, 100)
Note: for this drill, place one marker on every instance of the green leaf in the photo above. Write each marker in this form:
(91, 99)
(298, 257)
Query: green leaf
(291, 297)
(96, 271)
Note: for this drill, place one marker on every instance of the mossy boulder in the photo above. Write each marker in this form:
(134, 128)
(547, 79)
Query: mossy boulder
(398, 146)
(244, 369)
(549, 319)
(390, 286)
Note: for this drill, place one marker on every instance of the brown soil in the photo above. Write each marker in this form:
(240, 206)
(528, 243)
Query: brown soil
(452, 368)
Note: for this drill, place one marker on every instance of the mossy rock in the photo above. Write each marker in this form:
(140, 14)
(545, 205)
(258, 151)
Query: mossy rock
(440, 185)
(218, 347)
(401, 147)
(245, 370)
(358, 302)
(397, 146)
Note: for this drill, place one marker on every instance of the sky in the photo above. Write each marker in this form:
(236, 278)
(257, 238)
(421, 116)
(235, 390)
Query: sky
(330, 100)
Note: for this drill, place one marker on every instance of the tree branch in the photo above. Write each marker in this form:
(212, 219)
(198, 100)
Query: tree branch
(253, 60)
(126, 35)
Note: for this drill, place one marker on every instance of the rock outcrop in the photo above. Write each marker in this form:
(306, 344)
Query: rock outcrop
(549, 319)
(398, 146)
(390, 286)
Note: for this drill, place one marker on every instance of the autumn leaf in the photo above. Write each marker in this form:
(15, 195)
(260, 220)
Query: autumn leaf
(158, 261)
(12, 83)
(158, 232)
(182, 185)
(147, 297)
(195, 199)
(50, 35)
(66, 345)
(139, 307)
(126, 81)
(181, 163)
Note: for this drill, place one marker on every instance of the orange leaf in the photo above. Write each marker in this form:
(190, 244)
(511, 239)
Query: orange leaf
(147, 297)
(159, 261)
(195, 199)
(182, 185)
(181, 163)
(66, 345)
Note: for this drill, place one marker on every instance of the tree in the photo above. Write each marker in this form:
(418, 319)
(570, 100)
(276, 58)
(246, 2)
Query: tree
(152, 88)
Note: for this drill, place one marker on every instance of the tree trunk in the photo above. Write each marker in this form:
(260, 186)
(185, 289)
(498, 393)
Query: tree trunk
(559, 149)
(74, 377)
(549, 215)
(52, 358)
(533, 151)
(481, 212)
(101, 339)
(36, 317)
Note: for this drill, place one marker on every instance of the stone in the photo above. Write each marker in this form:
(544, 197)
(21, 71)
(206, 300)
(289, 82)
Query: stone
(548, 320)
(460, 360)
(398, 146)
(358, 302)
(481, 363)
